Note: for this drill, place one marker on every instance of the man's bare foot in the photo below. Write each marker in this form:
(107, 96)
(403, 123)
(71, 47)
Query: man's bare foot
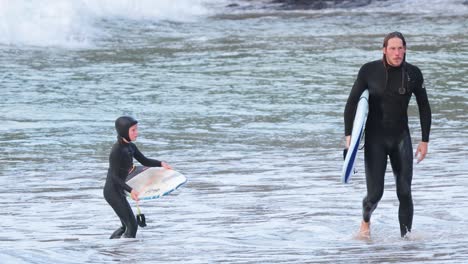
(364, 230)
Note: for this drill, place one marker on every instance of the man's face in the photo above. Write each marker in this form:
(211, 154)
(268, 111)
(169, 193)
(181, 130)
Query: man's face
(394, 52)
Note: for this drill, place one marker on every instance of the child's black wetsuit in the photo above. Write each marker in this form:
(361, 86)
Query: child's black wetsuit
(387, 132)
(120, 164)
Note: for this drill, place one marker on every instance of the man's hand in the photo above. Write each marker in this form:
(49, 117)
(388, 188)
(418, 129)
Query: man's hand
(421, 151)
(345, 150)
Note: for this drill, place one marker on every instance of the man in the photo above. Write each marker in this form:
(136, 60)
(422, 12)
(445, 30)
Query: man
(391, 83)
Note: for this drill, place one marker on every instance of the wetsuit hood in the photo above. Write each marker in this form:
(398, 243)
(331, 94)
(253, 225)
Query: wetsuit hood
(123, 124)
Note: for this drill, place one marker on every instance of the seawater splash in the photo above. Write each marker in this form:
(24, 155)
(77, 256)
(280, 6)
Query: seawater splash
(72, 23)
(173, 10)
(44, 23)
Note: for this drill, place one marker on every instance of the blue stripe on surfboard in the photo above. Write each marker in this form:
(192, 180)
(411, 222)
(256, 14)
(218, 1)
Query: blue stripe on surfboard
(164, 194)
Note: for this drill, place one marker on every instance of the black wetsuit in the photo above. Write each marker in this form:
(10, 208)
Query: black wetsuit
(387, 132)
(120, 164)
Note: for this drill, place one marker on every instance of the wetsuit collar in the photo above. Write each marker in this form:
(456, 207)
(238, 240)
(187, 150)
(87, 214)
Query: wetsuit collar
(395, 67)
(387, 65)
(122, 140)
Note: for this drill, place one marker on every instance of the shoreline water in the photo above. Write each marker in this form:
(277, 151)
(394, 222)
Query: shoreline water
(249, 106)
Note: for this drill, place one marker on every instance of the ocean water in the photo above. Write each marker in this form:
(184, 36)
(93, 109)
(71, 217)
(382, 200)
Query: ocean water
(248, 103)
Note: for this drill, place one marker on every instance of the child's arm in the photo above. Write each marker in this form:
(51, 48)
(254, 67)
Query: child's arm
(144, 160)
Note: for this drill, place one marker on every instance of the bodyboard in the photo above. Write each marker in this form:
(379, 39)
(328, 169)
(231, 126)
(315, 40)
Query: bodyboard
(154, 182)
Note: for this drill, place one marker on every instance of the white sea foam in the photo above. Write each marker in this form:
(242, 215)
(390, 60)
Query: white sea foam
(72, 23)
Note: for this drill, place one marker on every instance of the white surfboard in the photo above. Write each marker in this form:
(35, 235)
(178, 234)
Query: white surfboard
(356, 135)
(155, 182)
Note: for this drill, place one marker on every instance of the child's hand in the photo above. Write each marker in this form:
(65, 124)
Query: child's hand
(134, 194)
(166, 166)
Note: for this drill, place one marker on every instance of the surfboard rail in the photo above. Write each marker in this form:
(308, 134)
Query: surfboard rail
(359, 123)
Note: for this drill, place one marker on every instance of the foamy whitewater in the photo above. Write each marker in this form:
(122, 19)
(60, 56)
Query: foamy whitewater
(77, 23)
(246, 101)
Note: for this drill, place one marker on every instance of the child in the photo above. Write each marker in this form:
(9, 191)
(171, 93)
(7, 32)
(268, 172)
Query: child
(120, 165)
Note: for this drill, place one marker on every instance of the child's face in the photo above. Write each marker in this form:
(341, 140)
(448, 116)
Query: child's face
(133, 132)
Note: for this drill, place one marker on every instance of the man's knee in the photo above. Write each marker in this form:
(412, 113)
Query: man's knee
(404, 194)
